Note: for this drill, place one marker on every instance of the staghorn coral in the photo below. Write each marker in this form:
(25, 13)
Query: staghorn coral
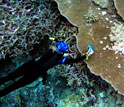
(23, 24)
(119, 5)
(73, 74)
(96, 34)
(65, 32)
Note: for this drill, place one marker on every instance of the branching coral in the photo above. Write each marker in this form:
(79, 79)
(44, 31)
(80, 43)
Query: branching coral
(73, 74)
(65, 32)
(23, 24)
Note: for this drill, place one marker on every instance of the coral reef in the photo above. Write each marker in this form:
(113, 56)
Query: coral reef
(98, 94)
(91, 91)
(119, 5)
(97, 35)
(57, 94)
(23, 24)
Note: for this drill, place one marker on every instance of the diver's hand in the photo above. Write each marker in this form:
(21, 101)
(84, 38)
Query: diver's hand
(90, 50)
(53, 48)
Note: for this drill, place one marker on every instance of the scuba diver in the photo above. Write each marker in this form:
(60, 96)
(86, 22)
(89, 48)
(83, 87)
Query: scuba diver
(33, 69)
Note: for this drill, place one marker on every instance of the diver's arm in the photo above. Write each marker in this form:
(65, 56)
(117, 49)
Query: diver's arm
(45, 57)
(72, 60)
(85, 56)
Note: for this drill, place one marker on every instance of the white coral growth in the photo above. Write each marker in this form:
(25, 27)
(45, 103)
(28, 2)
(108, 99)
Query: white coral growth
(91, 15)
(117, 37)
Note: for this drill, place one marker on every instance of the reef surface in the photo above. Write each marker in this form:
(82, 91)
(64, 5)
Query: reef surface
(67, 86)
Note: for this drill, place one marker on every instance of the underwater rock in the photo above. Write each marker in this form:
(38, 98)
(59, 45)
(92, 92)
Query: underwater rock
(119, 4)
(103, 62)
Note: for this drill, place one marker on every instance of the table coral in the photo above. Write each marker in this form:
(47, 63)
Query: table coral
(102, 3)
(119, 4)
(104, 62)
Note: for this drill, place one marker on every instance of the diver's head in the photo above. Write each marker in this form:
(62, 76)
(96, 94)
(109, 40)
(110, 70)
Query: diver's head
(62, 47)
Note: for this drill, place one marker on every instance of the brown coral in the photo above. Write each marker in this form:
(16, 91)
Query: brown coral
(103, 62)
(119, 4)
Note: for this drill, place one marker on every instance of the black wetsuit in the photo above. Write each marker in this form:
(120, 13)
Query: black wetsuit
(33, 69)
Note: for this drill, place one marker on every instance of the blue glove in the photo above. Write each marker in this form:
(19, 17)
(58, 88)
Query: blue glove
(90, 50)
